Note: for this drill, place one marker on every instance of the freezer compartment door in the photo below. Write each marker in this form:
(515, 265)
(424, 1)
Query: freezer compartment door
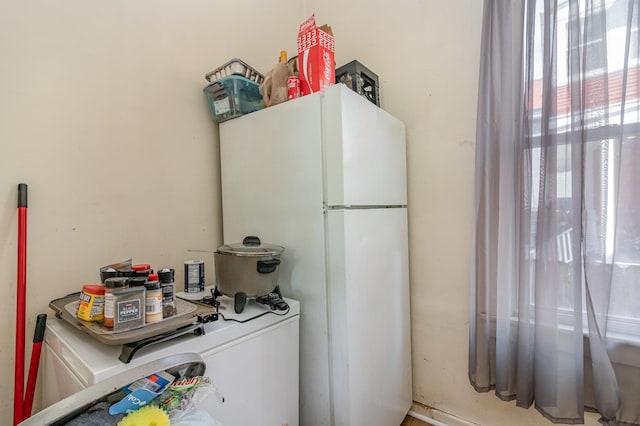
(180, 366)
(272, 187)
(271, 170)
(369, 316)
(365, 151)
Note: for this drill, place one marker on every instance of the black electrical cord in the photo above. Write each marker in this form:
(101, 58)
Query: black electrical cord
(255, 317)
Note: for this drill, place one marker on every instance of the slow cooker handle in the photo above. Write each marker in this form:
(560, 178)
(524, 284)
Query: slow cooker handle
(251, 241)
(267, 266)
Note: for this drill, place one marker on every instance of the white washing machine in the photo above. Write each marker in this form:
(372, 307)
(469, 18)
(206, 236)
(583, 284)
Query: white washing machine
(252, 359)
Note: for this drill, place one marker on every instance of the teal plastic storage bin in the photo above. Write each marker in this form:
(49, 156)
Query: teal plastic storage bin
(233, 96)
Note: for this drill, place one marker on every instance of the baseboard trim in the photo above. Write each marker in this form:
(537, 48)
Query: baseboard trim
(425, 419)
(436, 417)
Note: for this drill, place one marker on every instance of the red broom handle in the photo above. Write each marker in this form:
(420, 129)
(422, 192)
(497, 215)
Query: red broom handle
(18, 389)
(38, 336)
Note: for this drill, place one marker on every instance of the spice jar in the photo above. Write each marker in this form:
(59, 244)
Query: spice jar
(153, 299)
(111, 284)
(129, 308)
(168, 292)
(125, 272)
(107, 272)
(91, 306)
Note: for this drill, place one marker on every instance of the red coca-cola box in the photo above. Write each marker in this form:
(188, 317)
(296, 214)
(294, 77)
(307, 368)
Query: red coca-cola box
(316, 52)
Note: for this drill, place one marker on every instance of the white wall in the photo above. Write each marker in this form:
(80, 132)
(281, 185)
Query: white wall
(102, 114)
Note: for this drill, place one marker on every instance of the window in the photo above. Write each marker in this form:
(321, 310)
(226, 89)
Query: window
(611, 145)
(557, 229)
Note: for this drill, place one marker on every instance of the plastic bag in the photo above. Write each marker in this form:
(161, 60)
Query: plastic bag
(196, 418)
(181, 397)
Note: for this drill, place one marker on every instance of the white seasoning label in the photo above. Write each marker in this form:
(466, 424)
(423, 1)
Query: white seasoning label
(109, 305)
(153, 304)
(129, 311)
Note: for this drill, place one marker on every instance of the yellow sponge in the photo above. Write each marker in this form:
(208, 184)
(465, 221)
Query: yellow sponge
(146, 416)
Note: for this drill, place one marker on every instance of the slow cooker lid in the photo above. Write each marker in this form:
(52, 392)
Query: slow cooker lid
(250, 246)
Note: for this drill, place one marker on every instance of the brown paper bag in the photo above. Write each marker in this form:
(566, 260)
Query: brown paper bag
(274, 87)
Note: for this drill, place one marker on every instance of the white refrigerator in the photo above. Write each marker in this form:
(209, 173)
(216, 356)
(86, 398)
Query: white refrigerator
(325, 177)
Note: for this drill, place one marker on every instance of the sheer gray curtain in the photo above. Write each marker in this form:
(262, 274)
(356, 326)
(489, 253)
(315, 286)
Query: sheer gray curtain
(555, 313)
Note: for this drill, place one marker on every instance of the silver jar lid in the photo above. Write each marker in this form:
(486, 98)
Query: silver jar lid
(251, 246)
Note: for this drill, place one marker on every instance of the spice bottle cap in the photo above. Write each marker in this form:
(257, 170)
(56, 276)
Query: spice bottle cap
(166, 275)
(153, 285)
(137, 281)
(107, 272)
(93, 288)
(115, 282)
(141, 267)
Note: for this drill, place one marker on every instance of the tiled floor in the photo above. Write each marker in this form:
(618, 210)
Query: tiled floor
(411, 421)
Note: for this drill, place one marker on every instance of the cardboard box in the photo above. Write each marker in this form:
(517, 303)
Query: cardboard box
(316, 52)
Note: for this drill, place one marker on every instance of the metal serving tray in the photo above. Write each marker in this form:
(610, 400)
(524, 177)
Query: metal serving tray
(235, 67)
(190, 318)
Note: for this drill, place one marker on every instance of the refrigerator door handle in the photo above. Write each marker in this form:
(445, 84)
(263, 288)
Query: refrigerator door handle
(365, 206)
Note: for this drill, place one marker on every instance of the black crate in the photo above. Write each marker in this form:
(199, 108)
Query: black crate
(359, 79)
